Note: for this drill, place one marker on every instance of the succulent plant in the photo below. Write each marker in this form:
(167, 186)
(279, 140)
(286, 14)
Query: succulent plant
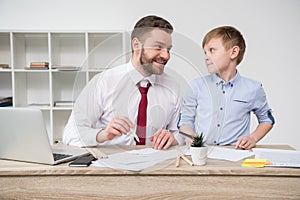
(198, 141)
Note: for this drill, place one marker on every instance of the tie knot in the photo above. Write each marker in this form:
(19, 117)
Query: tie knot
(144, 90)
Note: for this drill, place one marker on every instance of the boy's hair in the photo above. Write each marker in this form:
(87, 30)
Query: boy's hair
(230, 37)
(147, 24)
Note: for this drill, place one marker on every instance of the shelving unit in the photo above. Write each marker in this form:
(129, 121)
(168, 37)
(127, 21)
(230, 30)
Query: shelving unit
(90, 51)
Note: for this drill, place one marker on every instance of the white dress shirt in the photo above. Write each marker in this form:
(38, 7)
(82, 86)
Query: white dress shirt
(114, 92)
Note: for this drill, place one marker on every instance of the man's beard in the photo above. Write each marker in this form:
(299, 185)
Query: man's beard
(147, 64)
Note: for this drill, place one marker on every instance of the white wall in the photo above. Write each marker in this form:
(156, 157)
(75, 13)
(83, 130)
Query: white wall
(271, 29)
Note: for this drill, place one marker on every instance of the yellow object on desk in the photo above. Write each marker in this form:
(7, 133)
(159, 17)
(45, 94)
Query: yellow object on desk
(255, 163)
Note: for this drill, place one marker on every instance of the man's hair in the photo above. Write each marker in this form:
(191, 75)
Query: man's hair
(147, 24)
(230, 37)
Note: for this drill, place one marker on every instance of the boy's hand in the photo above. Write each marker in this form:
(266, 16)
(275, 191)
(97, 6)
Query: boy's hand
(245, 142)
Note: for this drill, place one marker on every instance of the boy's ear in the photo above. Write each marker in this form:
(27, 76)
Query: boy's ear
(235, 52)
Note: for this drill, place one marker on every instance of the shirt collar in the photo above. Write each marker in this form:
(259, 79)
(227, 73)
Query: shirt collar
(137, 77)
(218, 80)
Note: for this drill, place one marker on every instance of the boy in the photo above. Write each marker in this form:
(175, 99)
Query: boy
(219, 105)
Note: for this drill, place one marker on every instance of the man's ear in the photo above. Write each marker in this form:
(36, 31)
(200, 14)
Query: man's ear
(234, 52)
(136, 44)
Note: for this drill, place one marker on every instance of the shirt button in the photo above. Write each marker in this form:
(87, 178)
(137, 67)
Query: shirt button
(215, 142)
(223, 92)
(218, 125)
(221, 108)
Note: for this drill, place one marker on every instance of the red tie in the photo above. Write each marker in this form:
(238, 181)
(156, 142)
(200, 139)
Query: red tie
(142, 116)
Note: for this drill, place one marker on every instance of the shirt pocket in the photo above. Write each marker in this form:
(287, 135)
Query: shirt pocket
(242, 101)
(240, 107)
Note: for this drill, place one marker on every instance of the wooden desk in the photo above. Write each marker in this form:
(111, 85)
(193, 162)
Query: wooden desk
(217, 179)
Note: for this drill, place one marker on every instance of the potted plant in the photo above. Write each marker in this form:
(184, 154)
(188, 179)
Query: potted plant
(198, 150)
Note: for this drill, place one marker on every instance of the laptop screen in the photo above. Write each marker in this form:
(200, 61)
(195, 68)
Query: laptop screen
(23, 136)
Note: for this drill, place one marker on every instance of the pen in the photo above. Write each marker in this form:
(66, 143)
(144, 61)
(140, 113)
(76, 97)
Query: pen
(187, 135)
(134, 134)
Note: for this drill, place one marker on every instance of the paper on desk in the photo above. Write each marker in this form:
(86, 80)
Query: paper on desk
(144, 151)
(229, 154)
(136, 160)
(278, 157)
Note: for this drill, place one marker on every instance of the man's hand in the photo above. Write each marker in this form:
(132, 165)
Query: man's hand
(116, 127)
(245, 142)
(163, 139)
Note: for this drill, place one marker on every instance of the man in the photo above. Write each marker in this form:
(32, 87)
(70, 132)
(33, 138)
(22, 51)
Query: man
(109, 109)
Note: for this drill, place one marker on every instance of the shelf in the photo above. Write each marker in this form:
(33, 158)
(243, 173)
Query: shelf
(30, 47)
(60, 118)
(63, 108)
(39, 106)
(89, 52)
(68, 49)
(5, 50)
(63, 85)
(32, 88)
(32, 70)
(5, 84)
(104, 50)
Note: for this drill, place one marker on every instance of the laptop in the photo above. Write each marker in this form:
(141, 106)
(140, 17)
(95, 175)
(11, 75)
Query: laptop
(23, 137)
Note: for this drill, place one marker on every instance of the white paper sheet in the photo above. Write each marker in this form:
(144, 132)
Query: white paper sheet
(137, 160)
(229, 154)
(279, 158)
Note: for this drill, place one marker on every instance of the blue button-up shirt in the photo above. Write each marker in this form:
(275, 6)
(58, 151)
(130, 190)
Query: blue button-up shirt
(222, 110)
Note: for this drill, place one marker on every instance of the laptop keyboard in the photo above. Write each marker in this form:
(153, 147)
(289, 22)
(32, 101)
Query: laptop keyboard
(58, 156)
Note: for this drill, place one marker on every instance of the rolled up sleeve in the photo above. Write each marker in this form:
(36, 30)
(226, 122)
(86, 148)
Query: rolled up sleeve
(261, 108)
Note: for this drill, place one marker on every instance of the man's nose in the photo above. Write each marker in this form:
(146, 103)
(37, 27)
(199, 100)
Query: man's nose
(165, 53)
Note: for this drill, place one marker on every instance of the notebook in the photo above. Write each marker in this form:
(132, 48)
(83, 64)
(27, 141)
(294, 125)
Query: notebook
(278, 157)
(23, 137)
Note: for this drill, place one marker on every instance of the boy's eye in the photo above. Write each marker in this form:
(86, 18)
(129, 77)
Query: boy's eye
(211, 50)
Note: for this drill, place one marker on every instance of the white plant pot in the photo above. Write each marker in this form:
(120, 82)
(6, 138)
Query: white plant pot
(199, 155)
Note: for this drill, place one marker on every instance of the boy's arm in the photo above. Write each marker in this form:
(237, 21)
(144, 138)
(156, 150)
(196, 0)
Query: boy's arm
(265, 119)
(187, 129)
(188, 111)
(248, 142)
